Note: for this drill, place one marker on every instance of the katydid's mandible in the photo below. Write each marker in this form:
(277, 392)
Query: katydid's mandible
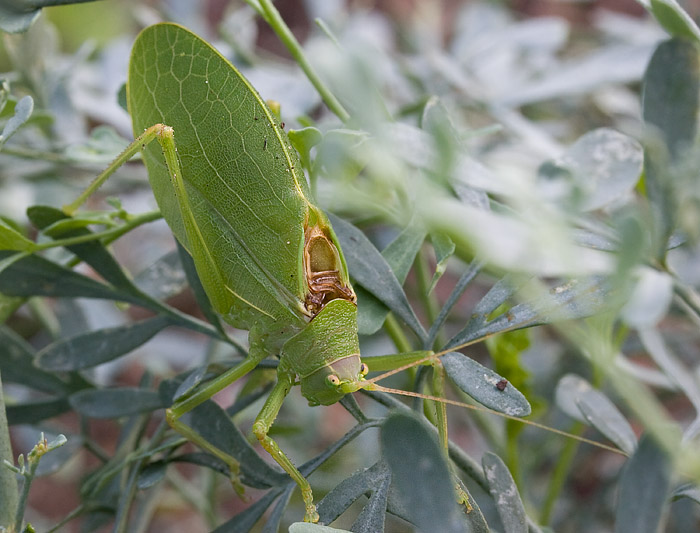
(236, 198)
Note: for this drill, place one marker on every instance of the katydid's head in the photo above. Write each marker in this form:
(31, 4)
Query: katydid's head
(331, 382)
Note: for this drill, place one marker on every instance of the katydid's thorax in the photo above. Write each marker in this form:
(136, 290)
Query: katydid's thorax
(326, 354)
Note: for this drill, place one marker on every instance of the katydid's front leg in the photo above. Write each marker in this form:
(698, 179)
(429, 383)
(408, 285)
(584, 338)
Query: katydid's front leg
(401, 361)
(438, 389)
(185, 405)
(261, 428)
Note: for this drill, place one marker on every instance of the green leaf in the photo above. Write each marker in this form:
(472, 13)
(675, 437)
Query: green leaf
(36, 276)
(485, 386)
(420, 473)
(11, 239)
(303, 141)
(369, 269)
(577, 398)
(674, 19)
(670, 93)
(100, 346)
(505, 494)
(17, 365)
(23, 110)
(687, 490)
(643, 489)
(399, 255)
(670, 101)
(115, 403)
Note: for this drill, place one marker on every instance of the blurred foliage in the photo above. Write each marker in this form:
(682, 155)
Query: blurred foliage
(503, 173)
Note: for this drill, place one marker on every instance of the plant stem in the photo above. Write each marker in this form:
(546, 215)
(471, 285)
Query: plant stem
(8, 480)
(430, 304)
(560, 473)
(111, 234)
(273, 18)
(393, 329)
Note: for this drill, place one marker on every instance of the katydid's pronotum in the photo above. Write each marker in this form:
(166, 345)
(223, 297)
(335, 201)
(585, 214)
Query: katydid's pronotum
(237, 199)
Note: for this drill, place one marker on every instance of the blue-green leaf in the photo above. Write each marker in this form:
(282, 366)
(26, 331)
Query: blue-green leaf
(643, 489)
(485, 386)
(420, 473)
(98, 346)
(399, 255)
(115, 403)
(505, 494)
(369, 269)
(23, 110)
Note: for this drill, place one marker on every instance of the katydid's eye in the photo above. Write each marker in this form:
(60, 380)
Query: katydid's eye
(333, 380)
(364, 369)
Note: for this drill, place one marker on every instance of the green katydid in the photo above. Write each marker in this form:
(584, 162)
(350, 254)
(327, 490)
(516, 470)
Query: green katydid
(236, 198)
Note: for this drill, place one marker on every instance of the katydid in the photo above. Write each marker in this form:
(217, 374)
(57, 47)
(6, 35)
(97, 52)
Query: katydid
(236, 198)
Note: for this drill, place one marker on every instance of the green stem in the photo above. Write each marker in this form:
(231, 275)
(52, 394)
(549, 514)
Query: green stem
(24, 495)
(393, 329)
(8, 480)
(428, 300)
(273, 18)
(111, 234)
(560, 473)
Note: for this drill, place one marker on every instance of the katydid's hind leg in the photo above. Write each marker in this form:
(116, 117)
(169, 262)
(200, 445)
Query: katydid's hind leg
(186, 404)
(261, 428)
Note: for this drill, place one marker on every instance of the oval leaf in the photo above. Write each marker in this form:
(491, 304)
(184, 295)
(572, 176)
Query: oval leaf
(99, 346)
(23, 110)
(369, 269)
(11, 239)
(485, 386)
(399, 255)
(114, 403)
(576, 397)
(505, 494)
(420, 474)
(674, 19)
(643, 489)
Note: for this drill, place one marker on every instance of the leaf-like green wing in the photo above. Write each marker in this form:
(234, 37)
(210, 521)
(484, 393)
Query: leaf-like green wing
(246, 193)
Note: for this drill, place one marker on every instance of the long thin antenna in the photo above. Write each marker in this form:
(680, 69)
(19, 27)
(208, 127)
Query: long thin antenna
(381, 388)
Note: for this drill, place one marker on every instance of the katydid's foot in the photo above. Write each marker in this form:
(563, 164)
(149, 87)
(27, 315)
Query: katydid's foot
(463, 496)
(311, 514)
